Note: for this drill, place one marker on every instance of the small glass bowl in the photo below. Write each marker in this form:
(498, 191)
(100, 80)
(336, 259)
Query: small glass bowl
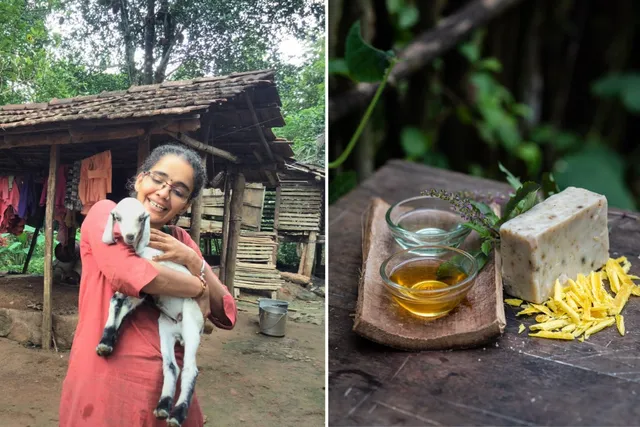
(429, 298)
(425, 220)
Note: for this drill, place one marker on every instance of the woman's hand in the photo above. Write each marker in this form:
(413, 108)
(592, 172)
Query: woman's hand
(175, 251)
(204, 303)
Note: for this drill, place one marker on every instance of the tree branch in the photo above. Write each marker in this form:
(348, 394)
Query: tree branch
(162, 67)
(129, 46)
(421, 51)
(149, 38)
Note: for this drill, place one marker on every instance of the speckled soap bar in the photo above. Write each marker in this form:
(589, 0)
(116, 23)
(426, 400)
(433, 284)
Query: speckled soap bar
(565, 234)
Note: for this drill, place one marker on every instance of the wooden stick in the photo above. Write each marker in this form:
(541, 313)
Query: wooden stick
(34, 241)
(310, 254)
(225, 226)
(48, 248)
(192, 142)
(235, 221)
(422, 50)
(258, 127)
(144, 148)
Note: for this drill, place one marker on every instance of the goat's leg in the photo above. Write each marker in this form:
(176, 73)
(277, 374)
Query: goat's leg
(168, 330)
(192, 325)
(120, 306)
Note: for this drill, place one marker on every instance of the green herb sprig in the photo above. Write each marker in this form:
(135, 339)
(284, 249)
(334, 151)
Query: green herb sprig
(482, 219)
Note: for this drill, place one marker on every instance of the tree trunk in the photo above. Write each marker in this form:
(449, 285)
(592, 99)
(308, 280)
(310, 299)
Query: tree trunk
(129, 45)
(149, 38)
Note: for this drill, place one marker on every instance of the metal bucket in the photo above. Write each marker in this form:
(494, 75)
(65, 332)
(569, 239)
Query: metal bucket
(266, 302)
(273, 320)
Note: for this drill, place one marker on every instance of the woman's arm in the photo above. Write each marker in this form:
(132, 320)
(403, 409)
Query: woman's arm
(173, 283)
(183, 249)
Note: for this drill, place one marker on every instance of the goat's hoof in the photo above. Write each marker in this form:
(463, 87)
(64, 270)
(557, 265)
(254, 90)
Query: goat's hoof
(164, 406)
(104, 350)
(178, 415)
(161, 414)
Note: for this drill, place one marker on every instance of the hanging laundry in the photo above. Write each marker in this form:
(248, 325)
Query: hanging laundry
(72, 199)
(9, 195)
(95, 180)
(59, 210)
(28, 197)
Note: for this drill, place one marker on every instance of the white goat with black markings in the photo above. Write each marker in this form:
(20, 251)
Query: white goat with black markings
(180, 318)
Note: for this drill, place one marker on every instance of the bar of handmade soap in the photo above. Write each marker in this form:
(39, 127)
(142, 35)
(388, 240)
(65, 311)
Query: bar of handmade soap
(565, 234)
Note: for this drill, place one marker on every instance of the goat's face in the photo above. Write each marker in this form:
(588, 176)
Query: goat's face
(133, 221)
(131, 227)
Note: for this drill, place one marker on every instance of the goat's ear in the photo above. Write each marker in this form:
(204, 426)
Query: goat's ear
(145, 230)
(107, 236)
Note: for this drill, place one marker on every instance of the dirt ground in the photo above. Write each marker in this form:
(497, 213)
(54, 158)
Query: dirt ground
(245, 376)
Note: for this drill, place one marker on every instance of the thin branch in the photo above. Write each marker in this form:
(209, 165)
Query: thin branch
(162, 67)
(422, 50)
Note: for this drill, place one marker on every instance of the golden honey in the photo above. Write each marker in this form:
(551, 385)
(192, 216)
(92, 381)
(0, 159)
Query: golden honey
(422, 274)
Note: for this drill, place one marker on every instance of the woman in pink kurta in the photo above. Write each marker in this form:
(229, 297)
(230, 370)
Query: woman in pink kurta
(124, 388)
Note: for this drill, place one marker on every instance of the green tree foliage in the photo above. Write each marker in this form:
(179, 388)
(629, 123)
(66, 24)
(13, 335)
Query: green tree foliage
(150, 39)
(23, 41)
(303, 98)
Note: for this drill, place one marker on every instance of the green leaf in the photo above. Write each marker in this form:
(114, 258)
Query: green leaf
(365, 63)
(464, 114)
(532, 155)
(521, 194)
(414, 142)
(486, 211)
(481, 230)
(341, 184)
(511, 179)
(631, 95)
(338, 66)
(610, 85)
(470, 51)
(490, 64)
(486, 247)
(408, 16)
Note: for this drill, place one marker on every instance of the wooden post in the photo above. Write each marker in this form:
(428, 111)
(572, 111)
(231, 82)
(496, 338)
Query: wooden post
(196, 207)
(303, 257)
(225, 226)
(276, 211)
(310, 254)
(235, 221)
(48, 248)
(144, 148)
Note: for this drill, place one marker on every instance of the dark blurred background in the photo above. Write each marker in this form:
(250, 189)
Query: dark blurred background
(544, 86)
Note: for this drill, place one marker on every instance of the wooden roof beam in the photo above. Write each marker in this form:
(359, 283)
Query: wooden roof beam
(254, 116)
(192, 142)
(82, 135)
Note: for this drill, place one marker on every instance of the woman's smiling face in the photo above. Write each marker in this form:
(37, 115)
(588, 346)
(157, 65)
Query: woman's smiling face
(164, 202)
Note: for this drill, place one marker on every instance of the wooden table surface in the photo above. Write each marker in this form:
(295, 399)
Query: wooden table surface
(516, 380)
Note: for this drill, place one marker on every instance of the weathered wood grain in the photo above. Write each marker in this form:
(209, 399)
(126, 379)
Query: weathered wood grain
(516, 380)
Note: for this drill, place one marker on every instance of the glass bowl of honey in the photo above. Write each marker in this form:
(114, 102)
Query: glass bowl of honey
(424, 220)
(429, 283)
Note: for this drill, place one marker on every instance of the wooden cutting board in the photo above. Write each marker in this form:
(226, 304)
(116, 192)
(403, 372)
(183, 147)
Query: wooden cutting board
(477, 320)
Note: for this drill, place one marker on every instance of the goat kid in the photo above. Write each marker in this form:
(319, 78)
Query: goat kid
(180, 318)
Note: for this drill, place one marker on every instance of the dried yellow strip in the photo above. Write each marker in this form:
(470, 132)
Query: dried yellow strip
(570, 311)
(569, 328)
(621, 259)
(514, 302)
(599, 326)
(521, 328)
(620, 324)
(543, 309)
(635, 290)
(621, 299)
(581, 328)
(553, 335)
(613, 277)
(528, 309)
(540, 318)
(549, 326)
(557, 294)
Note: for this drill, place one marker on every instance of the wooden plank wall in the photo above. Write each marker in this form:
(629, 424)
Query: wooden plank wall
(301, 207)
(213, 209)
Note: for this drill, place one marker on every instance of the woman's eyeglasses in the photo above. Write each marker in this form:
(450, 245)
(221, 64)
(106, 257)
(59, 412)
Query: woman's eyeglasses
(160, 182)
